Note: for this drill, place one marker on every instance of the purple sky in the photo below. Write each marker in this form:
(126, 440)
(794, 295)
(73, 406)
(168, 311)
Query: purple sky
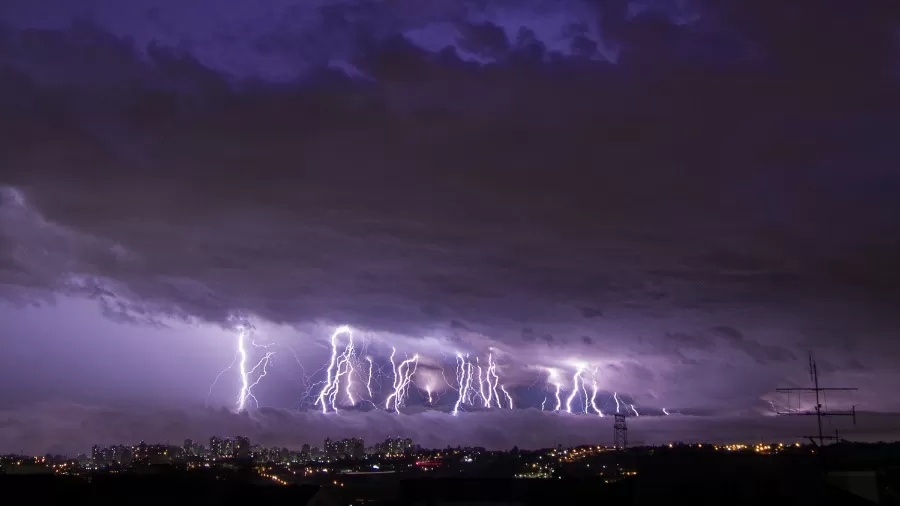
(683, 197)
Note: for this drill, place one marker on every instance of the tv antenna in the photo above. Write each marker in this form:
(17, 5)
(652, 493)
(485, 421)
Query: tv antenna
(819, 413)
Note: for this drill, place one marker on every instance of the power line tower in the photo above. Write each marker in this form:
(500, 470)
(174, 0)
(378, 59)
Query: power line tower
(621, 429)
(819, 413)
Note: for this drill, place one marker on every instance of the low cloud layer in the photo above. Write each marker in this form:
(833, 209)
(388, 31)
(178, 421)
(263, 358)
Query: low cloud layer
(691, 199)
(69, 428)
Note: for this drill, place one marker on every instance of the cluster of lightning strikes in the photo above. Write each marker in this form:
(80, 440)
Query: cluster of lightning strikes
(340, 366)
(587, 400)
(579, 386)
(478, 385)
(478, 382)
(403, 373)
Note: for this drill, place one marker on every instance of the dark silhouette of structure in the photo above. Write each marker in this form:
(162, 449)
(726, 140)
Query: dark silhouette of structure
(819, 412)
(621, 432)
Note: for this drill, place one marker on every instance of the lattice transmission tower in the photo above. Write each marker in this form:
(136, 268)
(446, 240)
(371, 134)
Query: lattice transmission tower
(621, 432)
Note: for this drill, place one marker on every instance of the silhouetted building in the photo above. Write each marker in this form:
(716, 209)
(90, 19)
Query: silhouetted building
(353, 448)
(96, 455)
(241, 448)
(394, 446)
(215, 446)
(140, 452)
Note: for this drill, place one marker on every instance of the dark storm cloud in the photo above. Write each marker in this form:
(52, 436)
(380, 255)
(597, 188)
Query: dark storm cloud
(730, 333)
(761, 353)
(690, 341)
(722, 166)
(589, 312)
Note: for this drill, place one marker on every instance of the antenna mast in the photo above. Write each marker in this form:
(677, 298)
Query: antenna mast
(819, 412)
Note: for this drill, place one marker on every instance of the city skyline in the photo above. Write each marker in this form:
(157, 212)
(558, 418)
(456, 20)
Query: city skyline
(495, 223)
(337, 449)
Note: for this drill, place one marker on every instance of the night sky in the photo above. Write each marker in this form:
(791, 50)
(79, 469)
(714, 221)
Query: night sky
(682, 199)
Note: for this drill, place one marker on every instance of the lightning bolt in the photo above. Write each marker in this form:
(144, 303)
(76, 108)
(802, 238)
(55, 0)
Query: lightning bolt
(349, 371)
(338, 366)
(487, 379)
(585, 404)
(635, 411)
(461, 377)
(553, 381)
(246, 386)
(543, 403)
(665, 412)
(387, 403)
(508, 397)
(485, 398)
(470, 397)
(616, 397)
(369, 380)
(593, 400)
(403, 374)
(492, 387)
(575, 389)
(223, 371)
(428, 391)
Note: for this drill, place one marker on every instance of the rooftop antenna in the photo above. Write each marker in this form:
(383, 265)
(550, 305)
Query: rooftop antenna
(819, 412)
